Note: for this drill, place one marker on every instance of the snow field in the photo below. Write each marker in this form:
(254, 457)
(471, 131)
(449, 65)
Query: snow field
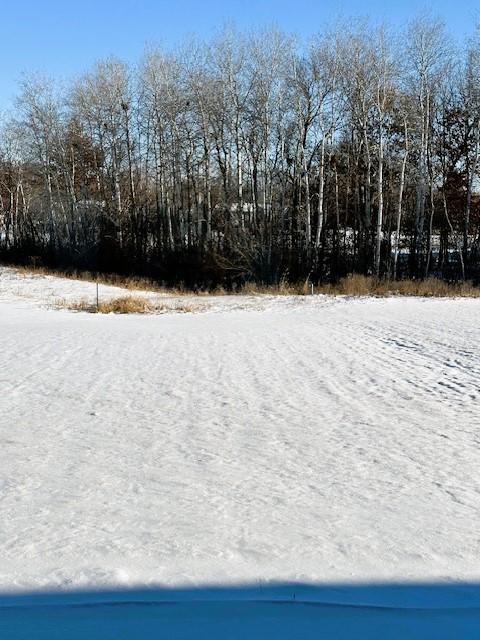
(310, 440)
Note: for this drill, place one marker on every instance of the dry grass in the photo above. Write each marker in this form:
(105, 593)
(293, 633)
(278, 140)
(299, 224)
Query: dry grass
(130, 304)
(132, 283)
(136, 283)
(284, 288)
(126, 304)
(358, 285)
(354, 285)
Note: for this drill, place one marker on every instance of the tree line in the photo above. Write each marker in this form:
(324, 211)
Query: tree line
(254, 157)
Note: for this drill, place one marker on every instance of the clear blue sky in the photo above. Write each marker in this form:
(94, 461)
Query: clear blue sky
(63, 38)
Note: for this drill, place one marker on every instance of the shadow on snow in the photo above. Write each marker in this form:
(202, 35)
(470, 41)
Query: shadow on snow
(279, 610)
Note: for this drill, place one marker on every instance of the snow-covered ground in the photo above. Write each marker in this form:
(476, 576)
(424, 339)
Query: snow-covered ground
(311, 440)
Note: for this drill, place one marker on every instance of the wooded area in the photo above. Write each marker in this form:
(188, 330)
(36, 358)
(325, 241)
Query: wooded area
(254, 157)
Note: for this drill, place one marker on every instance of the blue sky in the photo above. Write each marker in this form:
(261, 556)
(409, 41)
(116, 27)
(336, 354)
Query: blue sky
(63, 38)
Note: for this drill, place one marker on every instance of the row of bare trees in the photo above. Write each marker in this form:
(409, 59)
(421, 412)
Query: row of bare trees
(252, 157)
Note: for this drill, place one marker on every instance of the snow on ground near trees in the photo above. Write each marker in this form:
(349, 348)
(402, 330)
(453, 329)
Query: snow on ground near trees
(26, 290)
(290, 439)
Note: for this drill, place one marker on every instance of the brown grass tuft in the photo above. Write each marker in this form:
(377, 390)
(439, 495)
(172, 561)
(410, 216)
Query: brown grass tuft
(283, 288)
(126, 304)
(355, 285)
(130, 304)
